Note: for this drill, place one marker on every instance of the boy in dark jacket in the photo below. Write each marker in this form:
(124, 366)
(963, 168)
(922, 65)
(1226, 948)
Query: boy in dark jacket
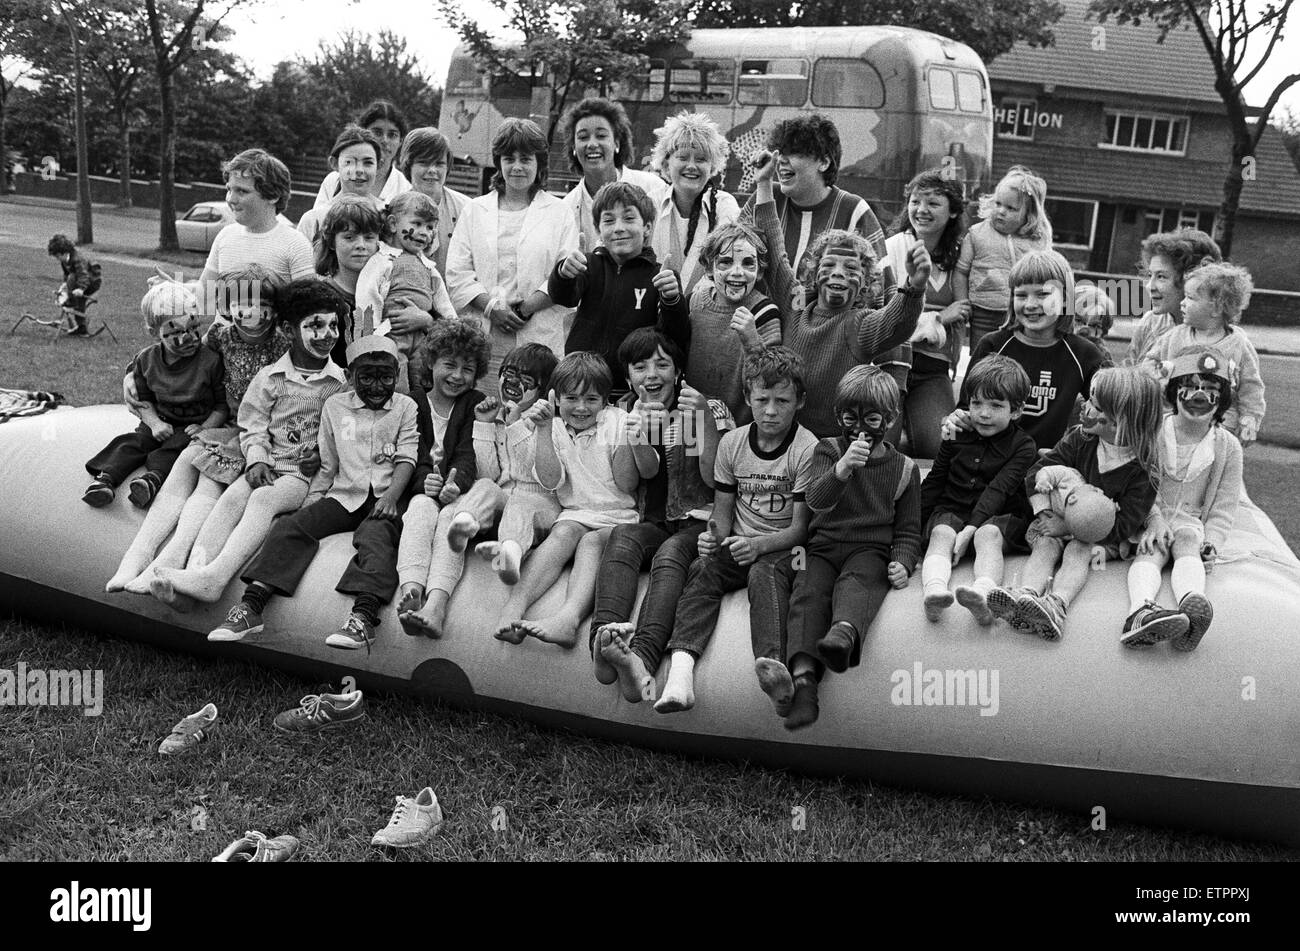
(620, 286)
(78, 282)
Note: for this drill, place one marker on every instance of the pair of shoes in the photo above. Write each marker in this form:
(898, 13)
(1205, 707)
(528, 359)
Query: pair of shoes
(143, 488)
(1004, 603)
(322, 711)
(190, 732)
(100, 492)
(357, 632)
(1199, 613)
(240, 622)
(1151, 624)
(255, 847)
(1043, 614)
(836, 646)
(413, 821)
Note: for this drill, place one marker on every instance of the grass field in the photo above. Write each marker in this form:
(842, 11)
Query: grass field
(79, 788)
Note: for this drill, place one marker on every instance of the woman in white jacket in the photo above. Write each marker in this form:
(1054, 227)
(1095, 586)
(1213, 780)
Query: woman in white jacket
(505, 245)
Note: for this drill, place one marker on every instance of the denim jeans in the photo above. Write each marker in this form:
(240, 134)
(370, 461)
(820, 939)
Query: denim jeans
(926, 402)
(841, 582)
(768, 579)
(984, 321)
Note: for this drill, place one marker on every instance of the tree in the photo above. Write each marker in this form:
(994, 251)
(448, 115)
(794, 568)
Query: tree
(569, 46)
(361, 68)
(16, 27)
(118, 51)
(1227, 29)
(85, 227)
(990, 29)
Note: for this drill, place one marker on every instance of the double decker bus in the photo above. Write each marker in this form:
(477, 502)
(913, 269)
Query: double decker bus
(902, 99)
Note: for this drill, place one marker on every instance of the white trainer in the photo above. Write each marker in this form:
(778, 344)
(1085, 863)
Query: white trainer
(413, 821)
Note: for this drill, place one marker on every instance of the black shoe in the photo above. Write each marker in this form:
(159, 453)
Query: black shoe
(1151, 624)
(78, 331)
(143, 488)
(100, 492)
(1199, 613)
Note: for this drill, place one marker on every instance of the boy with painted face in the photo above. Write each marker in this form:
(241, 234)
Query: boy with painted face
(865, 538)
(368, 440)
(182, 384)
(505, 489)
(279, 418)
(1200, 486)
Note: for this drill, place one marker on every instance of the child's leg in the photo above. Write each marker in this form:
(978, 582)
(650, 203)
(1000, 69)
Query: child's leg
(936, 570)
(562, 627)
(1044, 553)
(1188, 575)
(371, 575)
(221, 522)
(123, 455)
(770, 581)
(1044, 614)
(174, 554)
(1076, 563)
(159, 521)
(1144, 579)
(989, 567)
(1147, 623)
(810, 617)
(529, 511)
(293, 542)
(161, 459)
(414, 551)
(629, 551)
(543, 571)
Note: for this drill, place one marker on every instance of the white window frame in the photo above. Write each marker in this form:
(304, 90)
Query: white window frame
(1020, 103)
(1092, 230)
(1154, 117)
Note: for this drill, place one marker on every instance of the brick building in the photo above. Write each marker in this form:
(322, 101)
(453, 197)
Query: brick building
(1132, 138)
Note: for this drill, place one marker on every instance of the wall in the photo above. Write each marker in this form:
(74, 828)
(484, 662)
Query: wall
(144, 194)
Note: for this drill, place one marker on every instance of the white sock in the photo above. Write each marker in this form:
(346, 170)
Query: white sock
(1143, 584)
(1188, 576)
(679, 690)
(935, 572)
(984, 585)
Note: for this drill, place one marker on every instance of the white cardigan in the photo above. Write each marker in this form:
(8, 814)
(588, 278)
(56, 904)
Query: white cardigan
(547, 235)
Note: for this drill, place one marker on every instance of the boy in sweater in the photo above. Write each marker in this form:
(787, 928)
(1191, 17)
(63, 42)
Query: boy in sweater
(865, 538)
(620, 286)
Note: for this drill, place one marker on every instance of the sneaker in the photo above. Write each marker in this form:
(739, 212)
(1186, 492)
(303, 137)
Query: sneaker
(100, 492)
(255, 847)
(1151, 624)
(413, 821)
(142, 489)
(1003, 603)
(1199, 613)
(322, 711)
(240, 622)
(357, 632)
(1043, 614)
(190, 732)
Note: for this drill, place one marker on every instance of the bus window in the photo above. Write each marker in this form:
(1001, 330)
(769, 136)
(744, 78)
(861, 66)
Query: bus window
(772, 82)
(647, 86)
(970, 91)
(701, 80)
(510, 86)
(847, 82)
(943, 92)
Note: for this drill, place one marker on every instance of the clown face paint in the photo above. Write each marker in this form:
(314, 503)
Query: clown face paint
(374, 377)
(180, 336)
(517, 387)
(840, 278)
(315, 339)
(735, 271)
(252, 322)
(858, 420)
(1198, 396)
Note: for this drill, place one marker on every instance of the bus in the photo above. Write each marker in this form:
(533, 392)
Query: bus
(903, 100)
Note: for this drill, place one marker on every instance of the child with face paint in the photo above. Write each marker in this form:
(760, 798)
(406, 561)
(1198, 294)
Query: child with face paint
(452, 359)
(1114, 447)
(368, 439)
(182, 384)
(279, 417)
(400, 290)
(684, 428)
(865, 537)
(974, 494)
(730, 318)
(1215, 295)
(592, 456)
(506, 489)
(837, 329)
(1200, 486)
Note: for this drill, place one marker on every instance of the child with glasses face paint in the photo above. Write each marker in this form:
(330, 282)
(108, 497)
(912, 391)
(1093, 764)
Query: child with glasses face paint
(1200, 486)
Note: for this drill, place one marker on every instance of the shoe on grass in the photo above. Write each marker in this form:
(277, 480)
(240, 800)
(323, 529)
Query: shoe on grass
(255, 847)
(240, 622)
(190, 732)
(357, 632)
(1151, 624)
(1043, 614)
(323, 711)
(1199, 613)
(100, 492)
(413, 821)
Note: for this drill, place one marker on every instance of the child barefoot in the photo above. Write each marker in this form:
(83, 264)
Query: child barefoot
(762, 471)
(453, 359)
(593, 456)
(865, 536)
(1167, 257)
(1200, 485)
(1113, 448)
(684, 428)
(182, 382)
(975, 493)
(505, 489)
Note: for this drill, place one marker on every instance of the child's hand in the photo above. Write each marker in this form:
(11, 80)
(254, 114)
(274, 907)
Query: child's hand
(1156, 539)
(918, 265)
(1209, 555)
(854, 458)
(573, 264)
(385, 508)
(512, 413)
(964, 538)
(259, 474)
(450, 490)
(764, 165)
(433, 483)
(707, 541)
(162, 431)
(541, 412)
(1050, 525)
(742, 549)
(193, 429)
(1248, 431)
(955, 422)
(309, 465)
(691, 401)
(897, 574)
(955, 313)
(742, 324)
(666, 284)
(78, 292)
(486, 410)
(408, 319)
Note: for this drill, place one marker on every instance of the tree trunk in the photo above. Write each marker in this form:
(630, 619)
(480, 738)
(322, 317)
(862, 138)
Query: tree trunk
(123, 156)
(167, 239)
(85, 228)
(5, 185)
(1243, 163)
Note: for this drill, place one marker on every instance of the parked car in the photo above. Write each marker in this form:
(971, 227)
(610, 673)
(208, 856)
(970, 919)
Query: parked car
(198, 227)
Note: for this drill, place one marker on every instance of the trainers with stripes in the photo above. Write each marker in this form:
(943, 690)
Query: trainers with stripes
(1199, 613)
(1151, 624)
(255, 847)
(413, 821)
(1043, 614)
(323, 711)
(190, 732)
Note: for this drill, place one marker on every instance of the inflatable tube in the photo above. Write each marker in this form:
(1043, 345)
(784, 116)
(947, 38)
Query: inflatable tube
(1204, 740)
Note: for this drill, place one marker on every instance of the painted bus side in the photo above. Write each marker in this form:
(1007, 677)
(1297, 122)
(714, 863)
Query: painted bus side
(902, 99)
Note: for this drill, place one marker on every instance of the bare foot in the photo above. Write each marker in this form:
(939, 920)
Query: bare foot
(558, 629)
(195, 583)
(127, 572)
(140, 584)
(417, 625)
(161, 587)
(487, 550)
(463, 527)
(776, 682)
(605, 673)
(634, 680)
(432, 618)
(511, 632)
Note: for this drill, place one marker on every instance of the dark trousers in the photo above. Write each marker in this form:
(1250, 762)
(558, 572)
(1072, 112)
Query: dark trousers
(129, 451)
(769, 580)
(984, 321)
(926, 402)
(840, 582)
(293, 540)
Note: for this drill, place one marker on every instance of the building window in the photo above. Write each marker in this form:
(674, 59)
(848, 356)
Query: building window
(1014, 119)
(1145, 132)
(1073, 221)
(1171, 218)
(851, 83)
(701, 80)
(644, 87)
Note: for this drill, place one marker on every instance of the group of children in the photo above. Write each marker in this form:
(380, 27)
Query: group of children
(735, 438)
